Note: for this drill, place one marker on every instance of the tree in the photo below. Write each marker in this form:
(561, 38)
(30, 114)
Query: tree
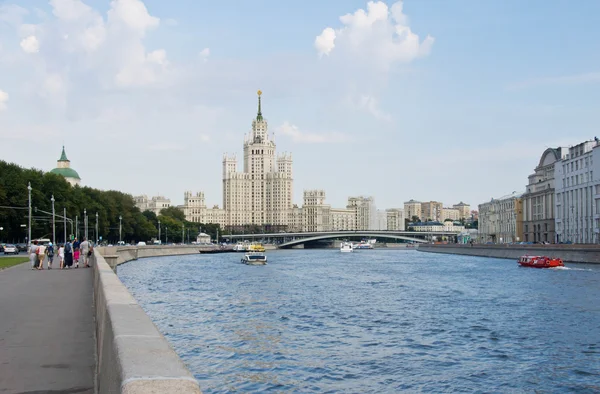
(415, 219)
(448, 220)
(173, 212)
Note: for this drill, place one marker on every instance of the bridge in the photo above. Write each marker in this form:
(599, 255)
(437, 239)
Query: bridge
(288, 240)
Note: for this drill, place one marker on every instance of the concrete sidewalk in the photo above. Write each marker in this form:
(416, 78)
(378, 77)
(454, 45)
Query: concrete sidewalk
(46, 331)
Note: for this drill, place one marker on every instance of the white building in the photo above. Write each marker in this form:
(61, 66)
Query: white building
(577, 187)
(501, 220)
(437, 226)
(450, 213)
(154, 204)
(395, 219)
(464, 210)
(63, 168)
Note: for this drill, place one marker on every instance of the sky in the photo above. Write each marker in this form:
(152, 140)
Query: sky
(417, 99)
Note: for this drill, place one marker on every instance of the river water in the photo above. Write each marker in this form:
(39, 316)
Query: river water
(375, 321)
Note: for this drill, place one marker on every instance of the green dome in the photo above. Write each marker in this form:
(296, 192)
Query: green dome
(66, 172)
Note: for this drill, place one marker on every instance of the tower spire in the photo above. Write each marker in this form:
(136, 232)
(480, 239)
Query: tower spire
(259, 114)
(63, 156)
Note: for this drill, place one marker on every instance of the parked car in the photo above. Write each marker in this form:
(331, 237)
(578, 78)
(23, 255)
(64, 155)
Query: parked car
(1, 248)
(10, 249)
(22, 247)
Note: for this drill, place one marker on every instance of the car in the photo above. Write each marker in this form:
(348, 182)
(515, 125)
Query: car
(141, 243)
(10, 249)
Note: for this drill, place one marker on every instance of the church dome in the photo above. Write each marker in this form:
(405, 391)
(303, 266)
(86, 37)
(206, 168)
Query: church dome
(66, 172)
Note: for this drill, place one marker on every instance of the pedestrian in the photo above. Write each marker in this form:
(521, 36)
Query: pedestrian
(41, 254)
(33, 248)
(50, 254)
(76, 253)
(86, 252)
(68, 255)
(61, 256)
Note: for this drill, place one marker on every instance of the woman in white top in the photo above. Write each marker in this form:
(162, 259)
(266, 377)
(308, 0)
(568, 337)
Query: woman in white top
(41, 254)
(61, 256)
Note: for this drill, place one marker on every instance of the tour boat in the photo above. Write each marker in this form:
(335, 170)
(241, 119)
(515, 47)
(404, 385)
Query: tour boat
(346, 247)
(254, 258)
(256, 248)
(239, 247)
(540, 262)
(363, 245)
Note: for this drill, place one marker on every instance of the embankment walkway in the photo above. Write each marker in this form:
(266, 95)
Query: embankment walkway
(47, 330)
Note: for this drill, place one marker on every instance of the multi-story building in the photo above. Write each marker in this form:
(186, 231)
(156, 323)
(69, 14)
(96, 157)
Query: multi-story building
(316, 214)
(262, 193)
(578, 194)
(395, 219)
(343, 219)
(538, 199)
(450, 213)
(365, 212)
(501, 220)
(436, 226)
(412, 209)
(154, 204)
(464, 210)
(431, 211)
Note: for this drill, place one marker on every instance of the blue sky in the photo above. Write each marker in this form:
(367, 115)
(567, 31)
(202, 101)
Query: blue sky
(148, 95)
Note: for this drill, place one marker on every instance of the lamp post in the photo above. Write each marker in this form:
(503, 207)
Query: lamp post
(159, 238)
(85, 223)
(166, 235)
(120, 228)
(29, 236)
(53, 222)
(97, 237)
(1, 228)
(65, 222)
(182, 234)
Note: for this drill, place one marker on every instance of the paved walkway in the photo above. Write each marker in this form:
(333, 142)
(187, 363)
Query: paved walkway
(46, 331)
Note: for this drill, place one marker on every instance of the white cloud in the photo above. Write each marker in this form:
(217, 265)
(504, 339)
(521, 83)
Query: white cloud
(158, 57)
(30, 44)
(3, 100)
(133, 14)
(12, 14)
(371, 105)
(380, 35)
(297, 135)
(204, 54)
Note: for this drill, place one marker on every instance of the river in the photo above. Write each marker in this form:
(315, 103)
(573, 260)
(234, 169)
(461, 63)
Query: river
(375, 321)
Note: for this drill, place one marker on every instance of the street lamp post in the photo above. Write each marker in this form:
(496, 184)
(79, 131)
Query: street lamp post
(65, 222)
(1, 228)
(166, 235)
(76, 227)
(97, 237)
(182, 234)
(85, 223)
(53, 222)
(159, 238)
(120, 219)
(29, 236)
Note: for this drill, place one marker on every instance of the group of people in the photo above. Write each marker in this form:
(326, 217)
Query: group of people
(69, 254)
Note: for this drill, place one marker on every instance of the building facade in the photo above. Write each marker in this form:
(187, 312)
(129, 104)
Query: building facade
(577, 188)
(450, 214)
(538, 199)
(464, 210)
(154, 204)
(501, 220)
(412, 208)
(431, 211)
(63, 168)
(395, 219)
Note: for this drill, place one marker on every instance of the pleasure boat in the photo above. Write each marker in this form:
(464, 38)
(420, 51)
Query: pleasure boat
(254, 258)
(363, 245)
(239, 247)
(346, 247)
(540, 262)
(256, 248)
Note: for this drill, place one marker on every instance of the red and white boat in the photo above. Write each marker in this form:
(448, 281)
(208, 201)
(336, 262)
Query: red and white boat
(540, 262)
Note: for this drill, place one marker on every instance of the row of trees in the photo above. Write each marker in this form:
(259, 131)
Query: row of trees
(110, 205)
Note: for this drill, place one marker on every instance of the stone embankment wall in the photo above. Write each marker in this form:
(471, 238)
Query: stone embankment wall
(568, 253)
(132, 355)
(117, 255)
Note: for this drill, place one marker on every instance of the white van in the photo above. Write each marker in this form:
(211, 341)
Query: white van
(141, 243)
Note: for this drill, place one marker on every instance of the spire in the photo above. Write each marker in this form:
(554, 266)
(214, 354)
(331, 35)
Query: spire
(259, 116)
(63, 156)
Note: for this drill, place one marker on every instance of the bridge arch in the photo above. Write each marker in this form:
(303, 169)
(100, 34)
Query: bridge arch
(369, 234)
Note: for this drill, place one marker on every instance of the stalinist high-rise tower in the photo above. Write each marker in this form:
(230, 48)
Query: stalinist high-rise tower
(262, 193)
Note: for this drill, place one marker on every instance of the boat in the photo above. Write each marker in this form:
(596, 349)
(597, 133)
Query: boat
(540, 262)
(256, 248)
(363, 245)
(346, 247)
(254, 258)
(239, 247)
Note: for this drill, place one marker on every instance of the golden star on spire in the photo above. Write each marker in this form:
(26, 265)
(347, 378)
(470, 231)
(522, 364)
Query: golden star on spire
(259, 92)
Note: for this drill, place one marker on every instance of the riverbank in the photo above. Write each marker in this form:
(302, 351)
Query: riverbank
(568, 253)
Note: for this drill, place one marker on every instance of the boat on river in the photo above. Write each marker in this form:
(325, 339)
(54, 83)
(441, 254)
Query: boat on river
(363, 245)
(256, 248)
(540, 262)
(240, 247)
(254, 258)
(346, 247)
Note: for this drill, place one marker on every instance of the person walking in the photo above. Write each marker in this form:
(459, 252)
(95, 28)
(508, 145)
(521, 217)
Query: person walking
(86, 251)
(61, 256)
(33, 248)
(76, 252)
(68, 255)
(41, 254)
(50, 254)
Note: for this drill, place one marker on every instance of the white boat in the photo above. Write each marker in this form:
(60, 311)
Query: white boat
(346, 247)
(254, 258)
(240, 247)
(363, 245)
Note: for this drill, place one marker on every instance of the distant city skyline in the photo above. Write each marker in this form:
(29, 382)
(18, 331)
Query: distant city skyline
(395, 100)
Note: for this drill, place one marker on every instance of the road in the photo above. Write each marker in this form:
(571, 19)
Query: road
(47, 340)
